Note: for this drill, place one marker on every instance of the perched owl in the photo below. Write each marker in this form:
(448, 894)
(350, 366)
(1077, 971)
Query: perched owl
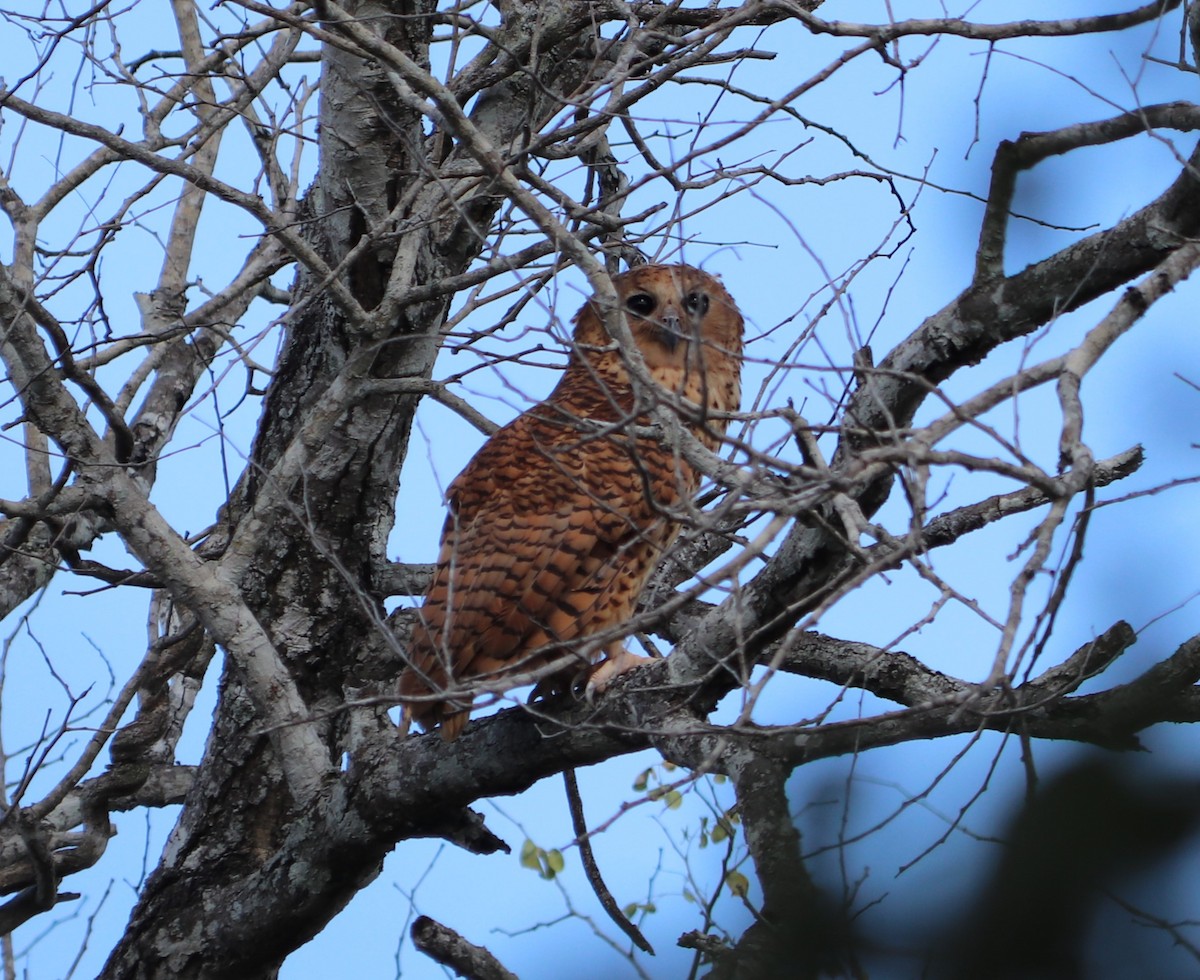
(560, 518)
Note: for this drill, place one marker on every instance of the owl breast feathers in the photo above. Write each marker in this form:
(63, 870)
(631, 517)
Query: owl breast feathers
(558, 521)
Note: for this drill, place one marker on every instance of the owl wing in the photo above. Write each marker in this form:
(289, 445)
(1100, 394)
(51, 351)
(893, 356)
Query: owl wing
(550, 535)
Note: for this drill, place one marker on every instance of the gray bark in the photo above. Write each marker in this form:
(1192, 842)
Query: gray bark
(305, 785)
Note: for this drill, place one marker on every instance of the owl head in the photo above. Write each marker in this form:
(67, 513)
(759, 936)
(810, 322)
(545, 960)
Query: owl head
(686, 326)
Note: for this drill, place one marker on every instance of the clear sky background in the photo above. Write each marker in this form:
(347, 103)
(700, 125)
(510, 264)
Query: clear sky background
(776, 249)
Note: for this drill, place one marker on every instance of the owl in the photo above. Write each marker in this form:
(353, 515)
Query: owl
(556, 524)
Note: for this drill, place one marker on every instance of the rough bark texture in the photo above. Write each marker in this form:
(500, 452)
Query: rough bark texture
(427, 170)
(310, 583)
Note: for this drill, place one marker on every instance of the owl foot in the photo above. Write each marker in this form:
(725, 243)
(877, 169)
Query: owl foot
(609, 669)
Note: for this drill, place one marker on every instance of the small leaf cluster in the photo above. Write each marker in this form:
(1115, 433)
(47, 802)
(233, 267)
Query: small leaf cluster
(547, 863)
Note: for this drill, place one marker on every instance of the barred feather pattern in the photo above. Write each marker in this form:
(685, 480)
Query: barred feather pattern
(556, 524)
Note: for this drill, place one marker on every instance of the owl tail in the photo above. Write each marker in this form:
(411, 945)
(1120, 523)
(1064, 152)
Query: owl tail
(450, 717)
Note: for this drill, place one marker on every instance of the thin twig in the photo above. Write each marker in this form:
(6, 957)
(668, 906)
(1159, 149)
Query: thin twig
(592, 869)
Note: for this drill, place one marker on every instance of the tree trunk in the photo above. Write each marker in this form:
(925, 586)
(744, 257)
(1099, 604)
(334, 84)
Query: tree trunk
(394, 209)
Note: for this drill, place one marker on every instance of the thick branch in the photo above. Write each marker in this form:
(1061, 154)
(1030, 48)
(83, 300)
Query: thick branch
(450, 949)
(796, 933)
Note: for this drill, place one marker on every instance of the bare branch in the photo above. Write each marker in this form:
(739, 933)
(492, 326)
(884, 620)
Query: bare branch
(450, 949)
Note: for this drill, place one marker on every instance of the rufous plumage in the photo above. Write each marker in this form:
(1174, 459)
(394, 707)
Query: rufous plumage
(558, 521)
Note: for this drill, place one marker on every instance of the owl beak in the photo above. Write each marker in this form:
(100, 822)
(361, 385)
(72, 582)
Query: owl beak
(670, 328)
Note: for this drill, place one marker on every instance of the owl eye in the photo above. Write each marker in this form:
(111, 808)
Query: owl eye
(696, 303)
(640, 303)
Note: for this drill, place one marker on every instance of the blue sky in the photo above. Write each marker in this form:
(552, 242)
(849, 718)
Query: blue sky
(776, 248)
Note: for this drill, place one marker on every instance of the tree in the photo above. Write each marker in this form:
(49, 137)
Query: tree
(470, 170)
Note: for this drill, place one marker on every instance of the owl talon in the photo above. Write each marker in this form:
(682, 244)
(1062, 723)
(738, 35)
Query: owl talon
(579, 687)
(608, 670)
(556, 686)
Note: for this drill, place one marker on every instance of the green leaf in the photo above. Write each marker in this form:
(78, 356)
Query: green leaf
(529, 856)
(688, 896)
(719, 833)
(642, 781)
(555, 862)
(674, 799)
(630, 910)
(737, 883)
